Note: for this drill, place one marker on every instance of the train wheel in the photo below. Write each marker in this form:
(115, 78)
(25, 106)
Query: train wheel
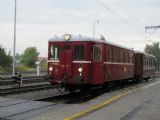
(147, 79)
(121, 83)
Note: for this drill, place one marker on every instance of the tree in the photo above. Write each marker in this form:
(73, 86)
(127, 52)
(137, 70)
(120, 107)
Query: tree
(5, 59)
(154, 49)
(29, 57)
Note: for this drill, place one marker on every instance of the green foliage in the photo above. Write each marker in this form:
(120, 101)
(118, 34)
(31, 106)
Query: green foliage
(22, 68)
(29, 57)
(154, 49)
(2, 70)
(5, 59)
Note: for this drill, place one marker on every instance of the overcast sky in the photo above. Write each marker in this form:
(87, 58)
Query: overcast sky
(120, 21)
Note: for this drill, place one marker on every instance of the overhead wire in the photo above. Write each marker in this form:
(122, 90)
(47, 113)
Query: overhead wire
(117, 15)
(150, 33)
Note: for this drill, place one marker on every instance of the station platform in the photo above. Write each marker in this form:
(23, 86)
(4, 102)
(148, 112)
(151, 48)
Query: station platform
(140, 102)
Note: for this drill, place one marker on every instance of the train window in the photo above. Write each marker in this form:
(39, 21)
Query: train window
(129, 58)
(126, 57)
(149, 62)
(114, 54)
(109, 55)
(123, 57)
(54, 52)
(119, 55)
(67, 47)
(105, 54)
(97, 52)
(144, 61)
(79, 52)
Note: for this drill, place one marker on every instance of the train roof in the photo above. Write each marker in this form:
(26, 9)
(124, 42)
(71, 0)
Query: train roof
(85, 38)
(147, 54)
(74, 38)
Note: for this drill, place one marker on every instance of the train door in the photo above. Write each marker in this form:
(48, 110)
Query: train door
(98, 70)
(66, 60)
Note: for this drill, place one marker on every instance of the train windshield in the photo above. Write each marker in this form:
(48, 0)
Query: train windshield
(54, 52)
(78, 52)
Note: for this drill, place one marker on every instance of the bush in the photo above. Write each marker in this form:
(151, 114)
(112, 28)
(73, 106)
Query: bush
(2, 70)
(22, 68)
(5, 69)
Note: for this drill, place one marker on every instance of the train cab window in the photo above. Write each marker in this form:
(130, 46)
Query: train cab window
(54, 52)
(67, 47)
(78, 52)
(97, 52)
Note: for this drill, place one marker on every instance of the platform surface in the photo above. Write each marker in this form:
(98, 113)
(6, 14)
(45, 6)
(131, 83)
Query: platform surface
(142, 103)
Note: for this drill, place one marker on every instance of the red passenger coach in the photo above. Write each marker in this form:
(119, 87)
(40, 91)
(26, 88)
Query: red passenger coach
(144, 65)
(76, 61)
(119, 62)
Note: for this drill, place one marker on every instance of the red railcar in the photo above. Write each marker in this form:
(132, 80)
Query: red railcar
(76, 61)
(144, 65)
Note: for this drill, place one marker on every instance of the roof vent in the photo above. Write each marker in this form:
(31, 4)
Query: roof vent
(102, 37)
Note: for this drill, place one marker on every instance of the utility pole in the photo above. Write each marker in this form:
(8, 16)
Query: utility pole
(94, 27)
(14, 43)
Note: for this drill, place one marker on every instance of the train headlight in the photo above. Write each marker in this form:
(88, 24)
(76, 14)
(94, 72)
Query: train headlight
(50, 69)
(67, 36)
(80, 69)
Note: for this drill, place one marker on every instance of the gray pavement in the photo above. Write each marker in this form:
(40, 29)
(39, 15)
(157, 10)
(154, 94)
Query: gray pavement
(143, 104)
(140, 105)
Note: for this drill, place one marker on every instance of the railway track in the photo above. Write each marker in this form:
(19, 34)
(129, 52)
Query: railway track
(10, 90)
(26, 108)
(23, 109)
(24, 84)
(79, 97)
(25, 80)
(24, 73)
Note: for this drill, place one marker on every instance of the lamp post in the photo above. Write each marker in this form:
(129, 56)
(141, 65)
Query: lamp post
(94, 27)
(14, 43)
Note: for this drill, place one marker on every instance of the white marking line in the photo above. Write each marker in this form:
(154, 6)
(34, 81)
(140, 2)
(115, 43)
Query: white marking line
(81, 61)
(118, 63)
(53, 61)
(72, 61)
